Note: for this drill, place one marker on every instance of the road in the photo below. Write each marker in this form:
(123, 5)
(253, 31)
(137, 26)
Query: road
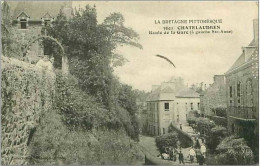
(148, 143)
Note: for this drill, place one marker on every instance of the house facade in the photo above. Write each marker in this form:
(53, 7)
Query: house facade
(214, 96)
(242, 85)
(169, 103)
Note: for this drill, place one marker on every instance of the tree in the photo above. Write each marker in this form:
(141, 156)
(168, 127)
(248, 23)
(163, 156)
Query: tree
(166, 140)
(234, 151)
(204, 125)
(215, 136)
(90, 48)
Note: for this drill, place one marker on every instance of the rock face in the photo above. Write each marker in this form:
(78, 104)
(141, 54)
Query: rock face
(26, 91)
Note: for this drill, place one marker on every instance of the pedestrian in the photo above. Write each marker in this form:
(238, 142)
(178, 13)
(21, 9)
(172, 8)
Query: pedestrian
(175, 154)
(192, 155)
(200, 158)
(203, 140)
(171, 153)
(181, 158)
(203, 150)
(197, 144)
(180, 126)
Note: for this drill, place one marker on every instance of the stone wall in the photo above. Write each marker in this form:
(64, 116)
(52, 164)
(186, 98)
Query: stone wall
(26, 91)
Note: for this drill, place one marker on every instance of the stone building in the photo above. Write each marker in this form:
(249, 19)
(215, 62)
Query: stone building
(214, 96)
(29, 19)
(242, 87)
(169, 103)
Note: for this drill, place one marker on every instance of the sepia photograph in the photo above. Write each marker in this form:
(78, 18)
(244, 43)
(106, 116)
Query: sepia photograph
(129, 82)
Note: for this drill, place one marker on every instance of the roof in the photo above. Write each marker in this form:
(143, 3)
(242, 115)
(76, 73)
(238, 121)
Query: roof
(187, 92)
(238, 62)
(242, 59)
(167, 90)
(37, 9)
(155, 95)
(253, 43)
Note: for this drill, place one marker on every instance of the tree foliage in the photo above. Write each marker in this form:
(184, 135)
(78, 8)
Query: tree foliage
(234, 151)
(215, 136)
(166, 140)
(91, 49)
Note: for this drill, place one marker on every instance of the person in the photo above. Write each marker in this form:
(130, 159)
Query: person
(197, 144)
(203, 139)
(180, 126)
(171, 154)
(192, 155)
(175, 154)
(181, 158)
(203, 150)
(200, 158)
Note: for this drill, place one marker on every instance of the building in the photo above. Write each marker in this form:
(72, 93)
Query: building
(29, 19)
(169, 103)
(214, 96)
(242, 88)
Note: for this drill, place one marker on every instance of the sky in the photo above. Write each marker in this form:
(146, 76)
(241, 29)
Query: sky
(197, 57)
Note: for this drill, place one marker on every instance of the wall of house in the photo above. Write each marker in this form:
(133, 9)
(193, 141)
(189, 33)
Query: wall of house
(214, 96)
(183, 107)
(165, 117)
(152, 118)
(243, 75)
(24, 36)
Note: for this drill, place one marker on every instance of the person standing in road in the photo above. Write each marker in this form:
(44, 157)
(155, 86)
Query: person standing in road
(203, 150)
(181, 158)
(192, 154)
(175, 154)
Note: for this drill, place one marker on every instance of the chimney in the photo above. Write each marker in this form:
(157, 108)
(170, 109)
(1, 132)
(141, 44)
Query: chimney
(219, 79)
(154, 87)
(255, 29)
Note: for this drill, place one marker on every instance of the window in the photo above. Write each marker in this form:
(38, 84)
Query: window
(23, 24)
(191, 106)
(166, 107)
(47, 22)
(230, 91)
(238, 92)
(238, 89)
(249, 93)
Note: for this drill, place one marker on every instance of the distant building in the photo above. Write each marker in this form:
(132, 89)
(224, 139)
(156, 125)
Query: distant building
(214, 96)
(29, 18)
(169, 103)
(242, 84)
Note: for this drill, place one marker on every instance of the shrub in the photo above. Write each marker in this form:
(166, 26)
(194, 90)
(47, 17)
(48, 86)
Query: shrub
(218, 120)
(234, 151)
(79, 109)
(204, 125)
(53, 143)
(166, 140)
(192, 116)
(214, 137)
(220, 111)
